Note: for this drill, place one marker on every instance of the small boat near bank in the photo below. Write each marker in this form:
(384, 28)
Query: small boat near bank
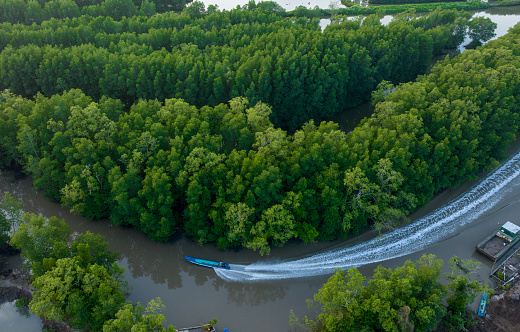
(482, 306)
(207, 263)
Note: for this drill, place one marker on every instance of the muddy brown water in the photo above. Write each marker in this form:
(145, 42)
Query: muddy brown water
(193, 295)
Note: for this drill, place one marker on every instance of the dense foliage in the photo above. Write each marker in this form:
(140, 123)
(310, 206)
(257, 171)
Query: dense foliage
(10, 216)
(86, 297)
(354, 9)
(76, 278)
(36, 11)
(481, 30)
(409, 298)
(225, 173)
(139, 319)
(301, 72)
(45, 241)
(406, 1)
(509, 3)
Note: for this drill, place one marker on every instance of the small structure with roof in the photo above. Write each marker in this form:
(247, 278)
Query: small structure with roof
(503, 247)
(508, 231)
(498, 243)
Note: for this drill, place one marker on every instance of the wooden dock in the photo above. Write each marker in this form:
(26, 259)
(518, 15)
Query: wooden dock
(503, 247)
(507, 268)
(499, 244)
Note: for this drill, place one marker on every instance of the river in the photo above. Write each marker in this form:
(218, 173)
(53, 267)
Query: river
(194, 295)
(504, 17)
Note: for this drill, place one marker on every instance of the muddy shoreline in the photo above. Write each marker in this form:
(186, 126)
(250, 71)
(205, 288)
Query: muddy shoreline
(15, 285)
(502, 312)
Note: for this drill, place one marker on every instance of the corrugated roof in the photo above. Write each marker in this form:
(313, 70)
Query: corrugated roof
(511, 227)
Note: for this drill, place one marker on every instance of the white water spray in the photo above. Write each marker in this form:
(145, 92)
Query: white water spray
(422, 233)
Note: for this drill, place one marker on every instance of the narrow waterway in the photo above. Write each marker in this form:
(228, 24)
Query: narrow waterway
(415, 237)
(504, 17)
(194, 295)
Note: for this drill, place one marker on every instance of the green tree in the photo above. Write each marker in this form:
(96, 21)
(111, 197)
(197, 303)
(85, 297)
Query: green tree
(117, 9)
(147, 8)
(408, 298)
(157, 215)
(12, 11)
(10, 216)
(195, 10)
(44, 241)
(12, 107)
(41, 241)
(481, 29)
(276, 226)
(139, 319)
(461, 292)
(88, 248)
(60, 9)
(169, 5)
(84, 297)
(237, 218)
(33, 12)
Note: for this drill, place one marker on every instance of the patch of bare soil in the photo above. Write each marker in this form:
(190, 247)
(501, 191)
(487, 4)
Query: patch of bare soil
(502, 313)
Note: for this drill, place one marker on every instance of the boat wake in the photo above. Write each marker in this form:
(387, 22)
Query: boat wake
(422, 233)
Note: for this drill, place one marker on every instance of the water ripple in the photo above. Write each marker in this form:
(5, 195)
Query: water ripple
(420, 234)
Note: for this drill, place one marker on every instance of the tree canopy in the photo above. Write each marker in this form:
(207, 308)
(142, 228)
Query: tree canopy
(85, 297)
(219, 168)
(76, 278)
(288, 63)
(44, 241)
(139, 319)
(32, 11)
(10, 216)
(408, 298)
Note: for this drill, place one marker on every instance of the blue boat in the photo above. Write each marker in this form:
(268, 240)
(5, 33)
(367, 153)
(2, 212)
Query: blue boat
(207, 263)
(482, 306)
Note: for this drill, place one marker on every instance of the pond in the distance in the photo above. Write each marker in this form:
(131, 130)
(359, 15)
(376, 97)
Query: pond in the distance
(504, 17)
(194, 294)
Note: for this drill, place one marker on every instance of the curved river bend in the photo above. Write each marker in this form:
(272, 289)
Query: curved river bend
(193, 294)
(417, 236)
(452, 224)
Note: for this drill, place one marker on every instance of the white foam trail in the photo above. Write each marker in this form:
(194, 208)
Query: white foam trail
(414, 237)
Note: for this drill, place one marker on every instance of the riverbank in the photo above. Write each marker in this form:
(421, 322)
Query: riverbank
(503, 309)
(158, 269)
(15, 285)
(502, 312)
(386, 9)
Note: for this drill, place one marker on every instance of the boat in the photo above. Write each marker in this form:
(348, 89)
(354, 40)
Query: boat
(207, 263)
(498, 243)
(482, 306)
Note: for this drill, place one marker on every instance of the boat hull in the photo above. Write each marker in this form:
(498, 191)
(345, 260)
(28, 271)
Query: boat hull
(482, 306)
(207, 263)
